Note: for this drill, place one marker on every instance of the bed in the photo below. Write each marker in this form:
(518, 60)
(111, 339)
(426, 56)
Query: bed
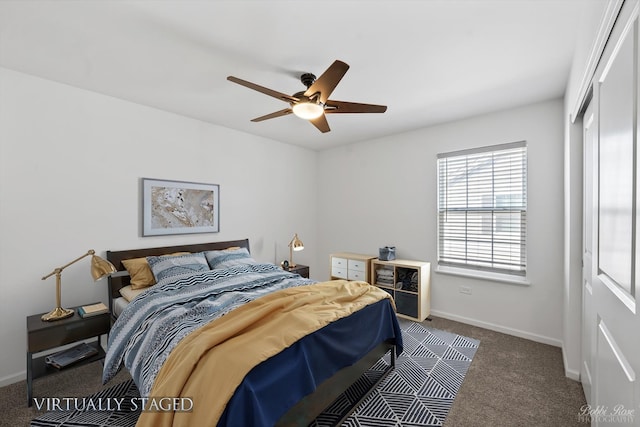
(246, 343)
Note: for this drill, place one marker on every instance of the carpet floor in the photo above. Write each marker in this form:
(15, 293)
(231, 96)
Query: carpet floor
(418, 392)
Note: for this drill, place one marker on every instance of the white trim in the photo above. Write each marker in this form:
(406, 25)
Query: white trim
(498, 328)
(486, 149)
(606, 26)
(619, 292)
(15, 378)
(628, 28)
(484, 275)
(569, 373)
(615, 349)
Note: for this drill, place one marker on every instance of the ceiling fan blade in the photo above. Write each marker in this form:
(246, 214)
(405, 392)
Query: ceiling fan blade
(280, 113)
(321, 123)
(279, 95)
(327, 82)
(333, 107)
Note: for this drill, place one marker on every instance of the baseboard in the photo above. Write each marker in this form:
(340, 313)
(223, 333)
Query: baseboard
(499, 328)
(11, 379)
(569, 373)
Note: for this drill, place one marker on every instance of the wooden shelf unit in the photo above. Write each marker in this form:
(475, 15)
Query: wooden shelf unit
(412, 297)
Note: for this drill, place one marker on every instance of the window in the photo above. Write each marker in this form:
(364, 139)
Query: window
(482, 209)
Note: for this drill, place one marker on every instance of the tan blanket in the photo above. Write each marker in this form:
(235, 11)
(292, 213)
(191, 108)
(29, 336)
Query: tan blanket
(209, 364)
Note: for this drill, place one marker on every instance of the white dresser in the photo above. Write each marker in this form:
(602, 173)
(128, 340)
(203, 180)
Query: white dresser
(350, 266)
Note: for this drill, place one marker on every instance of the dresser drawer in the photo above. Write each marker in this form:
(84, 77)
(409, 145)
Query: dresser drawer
(357, 265)
(339, 262)
(350, 266)
(357, 275)
(339, 272)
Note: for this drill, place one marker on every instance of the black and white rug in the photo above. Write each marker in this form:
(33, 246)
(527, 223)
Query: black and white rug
(418, 392)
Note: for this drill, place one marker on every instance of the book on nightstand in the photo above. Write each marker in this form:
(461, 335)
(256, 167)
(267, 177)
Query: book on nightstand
(92, 310)
(71, 355)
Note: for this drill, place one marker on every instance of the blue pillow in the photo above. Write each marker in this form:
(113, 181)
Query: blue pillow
(229, 258)
(174, 265)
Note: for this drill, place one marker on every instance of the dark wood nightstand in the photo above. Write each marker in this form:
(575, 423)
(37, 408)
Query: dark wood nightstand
(43, 336)
(300, 269)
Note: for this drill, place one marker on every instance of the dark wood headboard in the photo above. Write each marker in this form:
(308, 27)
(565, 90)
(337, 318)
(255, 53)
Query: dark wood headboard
(117, 282)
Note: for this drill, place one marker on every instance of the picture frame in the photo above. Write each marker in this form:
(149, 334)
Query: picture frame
(179, 207)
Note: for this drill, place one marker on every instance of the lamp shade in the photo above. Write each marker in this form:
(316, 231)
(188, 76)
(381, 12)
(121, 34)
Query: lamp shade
(307, 110)
(101, 268)
(294, 245)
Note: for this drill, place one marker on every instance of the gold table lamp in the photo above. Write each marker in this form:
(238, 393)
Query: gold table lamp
(294, 245)
(100, 269)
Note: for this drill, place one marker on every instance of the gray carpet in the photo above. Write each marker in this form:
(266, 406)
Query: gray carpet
(511, 382)
(419, 392)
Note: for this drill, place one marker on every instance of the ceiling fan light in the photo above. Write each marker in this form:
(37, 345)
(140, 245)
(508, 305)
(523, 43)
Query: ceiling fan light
(307, 110)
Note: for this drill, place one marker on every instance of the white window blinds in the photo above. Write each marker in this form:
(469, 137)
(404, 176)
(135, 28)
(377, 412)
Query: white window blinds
(482, 208)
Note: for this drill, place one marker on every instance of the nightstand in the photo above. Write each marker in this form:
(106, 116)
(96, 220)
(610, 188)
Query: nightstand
(43, 336)
(300, 269)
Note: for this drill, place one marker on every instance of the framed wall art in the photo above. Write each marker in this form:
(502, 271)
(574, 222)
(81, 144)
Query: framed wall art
(179, 207)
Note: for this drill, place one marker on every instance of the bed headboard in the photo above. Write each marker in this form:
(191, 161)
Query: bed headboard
(117, 282)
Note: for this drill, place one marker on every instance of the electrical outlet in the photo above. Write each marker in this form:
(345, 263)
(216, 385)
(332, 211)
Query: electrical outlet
(465, 290)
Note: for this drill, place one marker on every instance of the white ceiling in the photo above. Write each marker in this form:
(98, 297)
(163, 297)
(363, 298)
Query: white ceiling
(429, 61)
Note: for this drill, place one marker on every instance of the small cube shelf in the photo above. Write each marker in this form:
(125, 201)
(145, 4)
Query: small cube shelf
(350, 266)
(409, 284)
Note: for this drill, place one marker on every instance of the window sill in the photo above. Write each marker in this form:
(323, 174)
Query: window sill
(495, 277)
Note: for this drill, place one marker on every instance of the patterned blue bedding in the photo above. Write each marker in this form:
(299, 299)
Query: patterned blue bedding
(154, 322)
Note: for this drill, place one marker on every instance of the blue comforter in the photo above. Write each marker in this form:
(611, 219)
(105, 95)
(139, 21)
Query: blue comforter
(154, 322)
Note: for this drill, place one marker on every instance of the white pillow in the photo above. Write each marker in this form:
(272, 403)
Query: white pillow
(129, 293)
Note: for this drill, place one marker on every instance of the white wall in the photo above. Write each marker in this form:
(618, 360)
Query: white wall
(70, 167)
(384, 192)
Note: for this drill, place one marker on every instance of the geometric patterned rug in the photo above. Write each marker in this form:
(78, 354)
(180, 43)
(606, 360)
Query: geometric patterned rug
(418, 392)
(125, 417)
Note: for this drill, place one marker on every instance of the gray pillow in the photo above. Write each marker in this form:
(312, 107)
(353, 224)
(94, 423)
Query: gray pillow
(229, 258)
(174, 265)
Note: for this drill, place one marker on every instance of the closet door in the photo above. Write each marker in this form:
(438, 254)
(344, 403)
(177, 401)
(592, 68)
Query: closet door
(590, 150)
(615, 258)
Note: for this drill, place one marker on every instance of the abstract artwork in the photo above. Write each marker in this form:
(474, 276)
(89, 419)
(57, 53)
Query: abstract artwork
(179, 207)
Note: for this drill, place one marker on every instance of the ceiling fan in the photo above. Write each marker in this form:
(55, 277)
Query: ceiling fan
(314, 103)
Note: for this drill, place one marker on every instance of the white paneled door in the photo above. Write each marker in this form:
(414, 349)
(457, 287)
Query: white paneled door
(611, 322)
(590, 139)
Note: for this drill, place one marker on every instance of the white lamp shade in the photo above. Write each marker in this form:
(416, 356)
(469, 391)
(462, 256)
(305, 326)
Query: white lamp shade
(307, 110)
